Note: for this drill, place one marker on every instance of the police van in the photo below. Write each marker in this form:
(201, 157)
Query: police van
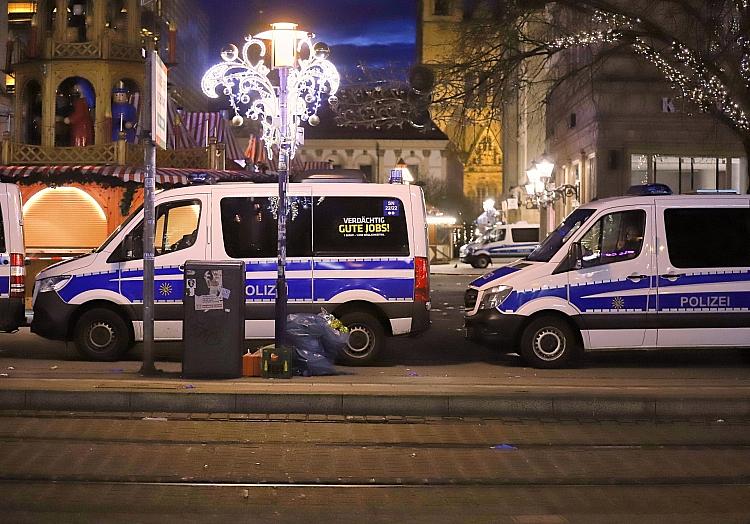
(501, 241)
(12, 259)
(629, 272)
(357, 250)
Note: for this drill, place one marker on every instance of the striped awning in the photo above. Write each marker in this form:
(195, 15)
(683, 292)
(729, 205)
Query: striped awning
(165, 176)
(256, 153)
(201, 126)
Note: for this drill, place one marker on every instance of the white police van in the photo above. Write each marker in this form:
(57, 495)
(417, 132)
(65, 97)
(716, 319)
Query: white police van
(358, 250)
(629, 272)
(502, 241)
(12, 259)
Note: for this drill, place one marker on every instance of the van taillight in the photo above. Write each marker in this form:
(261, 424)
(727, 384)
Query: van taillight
(421, 280)
(17, 275)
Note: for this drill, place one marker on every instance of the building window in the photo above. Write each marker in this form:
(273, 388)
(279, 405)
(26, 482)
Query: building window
(686, 174)
(442, 8)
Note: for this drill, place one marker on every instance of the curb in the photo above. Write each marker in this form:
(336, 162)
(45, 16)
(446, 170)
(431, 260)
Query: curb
(417, 405)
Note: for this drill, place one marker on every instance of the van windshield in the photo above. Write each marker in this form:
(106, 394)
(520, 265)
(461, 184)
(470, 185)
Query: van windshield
(560, 235)
(119, 228)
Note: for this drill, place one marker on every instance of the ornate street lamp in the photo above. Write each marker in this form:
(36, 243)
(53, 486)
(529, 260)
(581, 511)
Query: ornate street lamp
(304, 77)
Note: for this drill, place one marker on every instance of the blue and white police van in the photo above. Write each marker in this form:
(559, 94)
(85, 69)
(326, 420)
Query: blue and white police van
(12, 259)
(501, 241)
(357, 250)
(630, 272)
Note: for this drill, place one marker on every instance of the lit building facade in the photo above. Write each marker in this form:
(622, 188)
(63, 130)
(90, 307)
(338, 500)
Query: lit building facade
(479, 147)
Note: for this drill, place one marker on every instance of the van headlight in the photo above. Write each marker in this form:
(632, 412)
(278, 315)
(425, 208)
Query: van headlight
(494, 296)
(53, 283)
(466, 250)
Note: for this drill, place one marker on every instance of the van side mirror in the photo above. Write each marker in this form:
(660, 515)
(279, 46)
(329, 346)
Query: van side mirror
(128, 248)
(575, 255)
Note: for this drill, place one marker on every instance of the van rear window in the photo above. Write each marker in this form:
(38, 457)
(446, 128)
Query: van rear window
(359, 226)
(525, 234)
(250, 228)
(708, 237)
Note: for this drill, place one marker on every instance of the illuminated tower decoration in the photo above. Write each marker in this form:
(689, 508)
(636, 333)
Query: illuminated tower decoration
(478, 145)
(84, 55)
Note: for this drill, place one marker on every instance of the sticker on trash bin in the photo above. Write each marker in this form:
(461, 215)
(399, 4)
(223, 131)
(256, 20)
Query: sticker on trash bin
(190, 285)
(211, 295)
(213, 281)
(225, 293)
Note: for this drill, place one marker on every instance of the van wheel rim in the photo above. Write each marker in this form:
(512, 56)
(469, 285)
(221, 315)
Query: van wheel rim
(549, 344)
(360, 341)
(101, 336)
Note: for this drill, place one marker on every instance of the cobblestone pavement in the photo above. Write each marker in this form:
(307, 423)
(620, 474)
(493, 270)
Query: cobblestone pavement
(149, 467)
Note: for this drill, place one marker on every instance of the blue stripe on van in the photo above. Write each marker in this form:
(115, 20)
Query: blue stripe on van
(80, 283)
(492, 275)
(4, 285)
(708, 278)
(389, 288)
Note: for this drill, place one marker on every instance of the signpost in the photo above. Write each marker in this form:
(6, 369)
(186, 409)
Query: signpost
(155, 105)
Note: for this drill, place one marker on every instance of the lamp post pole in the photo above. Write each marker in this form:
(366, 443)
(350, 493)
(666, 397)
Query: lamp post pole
(280, 305)
(305, 75)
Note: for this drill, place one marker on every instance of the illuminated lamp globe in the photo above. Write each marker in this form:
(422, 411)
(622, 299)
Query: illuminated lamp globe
(229, 53)
(321, 50)
(314, 120)
(237, 121)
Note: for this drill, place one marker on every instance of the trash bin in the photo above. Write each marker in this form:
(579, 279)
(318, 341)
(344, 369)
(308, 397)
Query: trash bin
(213, 324)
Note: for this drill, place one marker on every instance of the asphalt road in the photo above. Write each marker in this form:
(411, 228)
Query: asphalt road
(198, 468)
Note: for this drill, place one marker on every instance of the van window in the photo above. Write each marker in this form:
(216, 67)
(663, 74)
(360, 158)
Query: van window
(250, 227)
(525, 234)
(359, 226)
(560, 235)
(613, 238)
(708, 237)
(176, 228)
(496, 235)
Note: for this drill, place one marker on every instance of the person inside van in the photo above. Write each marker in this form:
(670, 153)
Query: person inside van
(629, 244)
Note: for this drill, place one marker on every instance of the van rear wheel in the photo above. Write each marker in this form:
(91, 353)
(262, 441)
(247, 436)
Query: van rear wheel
(101, 334)
(366, 339)
(481, 262)
(549, 342)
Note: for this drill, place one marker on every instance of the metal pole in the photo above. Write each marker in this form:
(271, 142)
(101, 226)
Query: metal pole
(149, 160)
(284, 146)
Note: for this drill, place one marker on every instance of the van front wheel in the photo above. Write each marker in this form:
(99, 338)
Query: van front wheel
(481, 262)
(549, 342)
(101, 334)
(366, 339)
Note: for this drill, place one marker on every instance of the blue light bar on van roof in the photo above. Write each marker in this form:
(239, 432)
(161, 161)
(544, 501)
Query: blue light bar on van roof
(649, 189)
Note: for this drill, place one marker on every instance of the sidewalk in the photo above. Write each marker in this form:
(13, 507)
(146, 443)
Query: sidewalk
(420, 391)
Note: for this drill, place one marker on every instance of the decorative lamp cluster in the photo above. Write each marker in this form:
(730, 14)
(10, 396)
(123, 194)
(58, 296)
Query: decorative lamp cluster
(243, 77)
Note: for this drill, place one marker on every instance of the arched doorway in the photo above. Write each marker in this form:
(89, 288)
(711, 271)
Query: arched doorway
(84, 226)
(59, 223)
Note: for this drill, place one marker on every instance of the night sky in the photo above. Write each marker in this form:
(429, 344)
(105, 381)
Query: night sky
(380, 34)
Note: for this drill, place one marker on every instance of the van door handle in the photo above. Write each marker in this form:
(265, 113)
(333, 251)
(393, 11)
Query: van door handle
(672, 276)
(636, 277)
